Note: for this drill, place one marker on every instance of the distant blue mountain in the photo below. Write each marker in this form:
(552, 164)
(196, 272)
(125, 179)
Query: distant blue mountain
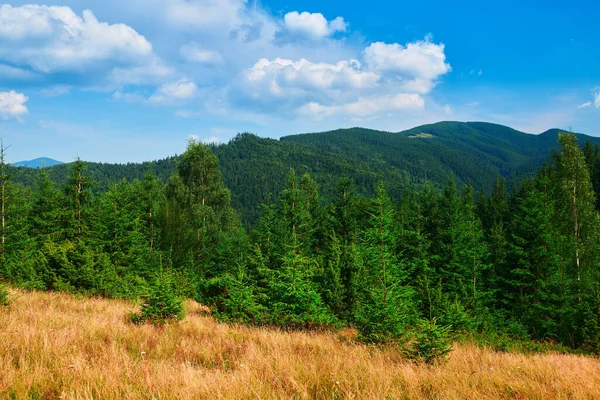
(38, 163)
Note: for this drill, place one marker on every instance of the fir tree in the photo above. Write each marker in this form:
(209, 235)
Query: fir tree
(385, 304)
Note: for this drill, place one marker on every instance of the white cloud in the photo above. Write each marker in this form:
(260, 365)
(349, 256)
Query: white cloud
(585, 105)
(192, 52)
(55, 39)
(195, 138)
(279, 74)
(597, 99)
(233, 49)
(175, 91)
(365, 107)
(312, 25)
(391, 72)
(12, 105)
(419, 63)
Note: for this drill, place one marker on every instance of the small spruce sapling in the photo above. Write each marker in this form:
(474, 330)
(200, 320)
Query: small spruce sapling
(163, 304)
(432, 343)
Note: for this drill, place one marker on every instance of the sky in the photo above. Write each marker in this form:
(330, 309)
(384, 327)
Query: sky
(129, 81)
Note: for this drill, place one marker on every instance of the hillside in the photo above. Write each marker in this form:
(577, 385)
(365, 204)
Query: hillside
(59, 346)
(254, 168)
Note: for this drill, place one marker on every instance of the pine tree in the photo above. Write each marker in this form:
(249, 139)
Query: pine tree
(385, 305)
(293, 298)
(47, 219)
(534, 286)
(414, 244)
(342, 222)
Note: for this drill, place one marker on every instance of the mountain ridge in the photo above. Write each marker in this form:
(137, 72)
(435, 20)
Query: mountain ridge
(255, 168)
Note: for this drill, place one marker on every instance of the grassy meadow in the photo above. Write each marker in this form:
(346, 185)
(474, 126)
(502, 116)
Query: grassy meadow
(58, 346)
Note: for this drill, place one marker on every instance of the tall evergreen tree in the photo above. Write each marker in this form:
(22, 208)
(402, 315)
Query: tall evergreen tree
(385, 305)
(78, 196)
(577, 200)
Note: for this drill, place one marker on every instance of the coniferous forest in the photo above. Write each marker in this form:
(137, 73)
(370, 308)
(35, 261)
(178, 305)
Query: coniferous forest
(516, 263)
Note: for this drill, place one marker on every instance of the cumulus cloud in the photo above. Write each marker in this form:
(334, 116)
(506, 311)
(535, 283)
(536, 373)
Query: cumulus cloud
(247, 60)
(55, 39)
(365, 107)
(279, 74)
(418, 64)
(391, 77)
(312, 25)
(12, 105)
(284, 84)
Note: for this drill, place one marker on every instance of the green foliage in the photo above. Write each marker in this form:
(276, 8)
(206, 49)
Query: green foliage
(503, 269)
(385, 302)
(163, 304)
(432, 342)
(293, 297)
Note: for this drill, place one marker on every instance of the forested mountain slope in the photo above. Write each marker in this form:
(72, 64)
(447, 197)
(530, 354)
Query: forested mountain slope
(254, 168)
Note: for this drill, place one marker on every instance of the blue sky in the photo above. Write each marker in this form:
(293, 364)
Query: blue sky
(116, 81)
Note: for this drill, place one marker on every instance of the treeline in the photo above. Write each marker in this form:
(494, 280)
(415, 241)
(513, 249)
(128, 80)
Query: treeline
(522, 264)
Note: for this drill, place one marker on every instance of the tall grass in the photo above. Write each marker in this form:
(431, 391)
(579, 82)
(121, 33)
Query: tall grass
(58, 346)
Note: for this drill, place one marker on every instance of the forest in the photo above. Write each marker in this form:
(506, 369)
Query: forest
(515, 263)
(255, 169)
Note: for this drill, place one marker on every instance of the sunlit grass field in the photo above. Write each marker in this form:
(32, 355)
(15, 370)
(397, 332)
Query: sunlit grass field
(59, 346)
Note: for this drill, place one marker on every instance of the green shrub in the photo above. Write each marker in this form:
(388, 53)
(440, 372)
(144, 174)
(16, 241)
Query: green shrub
(162, 305)
(432, 342)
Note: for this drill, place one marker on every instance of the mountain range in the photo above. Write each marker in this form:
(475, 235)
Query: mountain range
(255, 168)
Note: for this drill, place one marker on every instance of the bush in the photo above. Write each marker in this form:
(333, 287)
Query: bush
(162, 305)
(432, 343)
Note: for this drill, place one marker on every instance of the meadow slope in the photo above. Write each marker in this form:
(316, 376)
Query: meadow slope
(59, 346)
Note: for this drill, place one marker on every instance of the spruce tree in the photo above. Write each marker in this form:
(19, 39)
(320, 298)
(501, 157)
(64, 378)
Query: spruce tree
(385, 306)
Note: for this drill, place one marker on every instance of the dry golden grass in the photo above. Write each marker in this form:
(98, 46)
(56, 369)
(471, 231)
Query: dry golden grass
(58, 346)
